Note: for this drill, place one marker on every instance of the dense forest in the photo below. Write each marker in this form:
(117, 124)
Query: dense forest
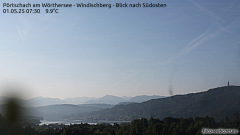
(143, 126)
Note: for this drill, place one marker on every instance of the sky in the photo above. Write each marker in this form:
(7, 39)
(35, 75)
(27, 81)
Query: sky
(186, 47)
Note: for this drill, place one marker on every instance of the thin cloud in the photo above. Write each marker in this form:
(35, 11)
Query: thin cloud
(198, 38)
(234, 24)
(22, 33)
(190, 46)
(217, 20)
(23, 27)
(196, 42)
(193, 44)
(126, 78)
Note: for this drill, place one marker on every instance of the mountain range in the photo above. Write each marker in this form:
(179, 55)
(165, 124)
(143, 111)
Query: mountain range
(218, 103)
(54, 109)
(108, 99)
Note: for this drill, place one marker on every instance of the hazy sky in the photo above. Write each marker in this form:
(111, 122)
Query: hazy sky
(189, 46)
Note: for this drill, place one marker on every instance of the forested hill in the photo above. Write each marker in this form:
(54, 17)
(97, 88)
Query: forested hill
(218, 103)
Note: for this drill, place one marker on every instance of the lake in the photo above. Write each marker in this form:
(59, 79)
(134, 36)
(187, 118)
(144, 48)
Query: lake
(68, 122)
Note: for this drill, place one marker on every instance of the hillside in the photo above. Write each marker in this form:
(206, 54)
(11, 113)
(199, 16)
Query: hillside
(143, 98)
(58, 112)
(217, 102)
(114, 100)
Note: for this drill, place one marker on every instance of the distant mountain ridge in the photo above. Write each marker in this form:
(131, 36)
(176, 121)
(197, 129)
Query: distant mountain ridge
(78, 100)
(108, 99)
(218, 103)
(42, 101)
